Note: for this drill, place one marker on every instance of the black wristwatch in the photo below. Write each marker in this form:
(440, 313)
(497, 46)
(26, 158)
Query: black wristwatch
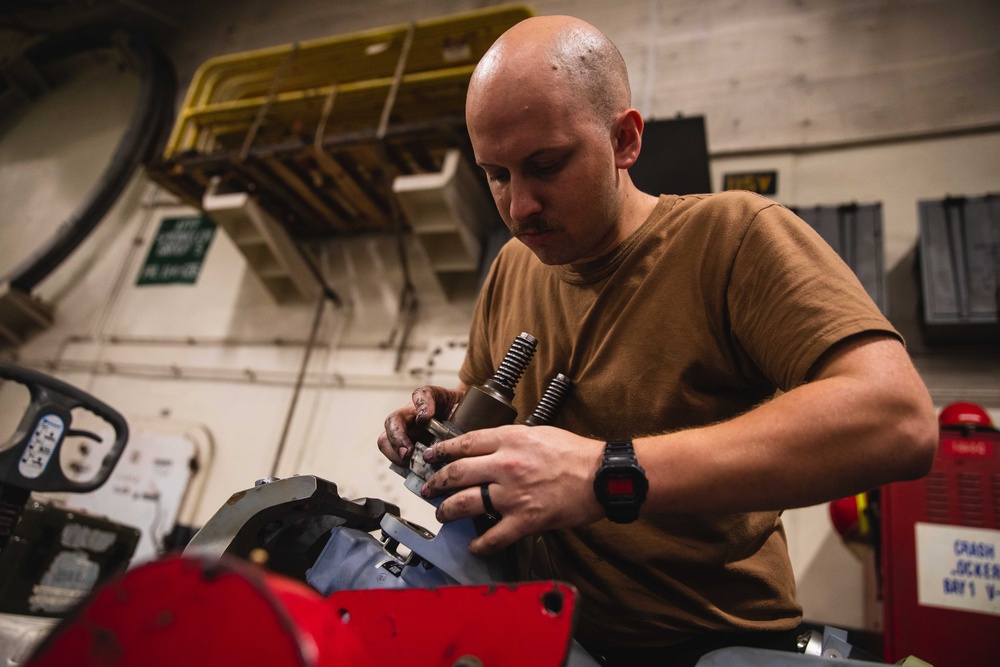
(620, 484)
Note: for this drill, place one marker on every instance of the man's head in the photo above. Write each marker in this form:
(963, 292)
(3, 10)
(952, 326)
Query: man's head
(549, 116)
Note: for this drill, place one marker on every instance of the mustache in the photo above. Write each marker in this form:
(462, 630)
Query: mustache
(533, 225)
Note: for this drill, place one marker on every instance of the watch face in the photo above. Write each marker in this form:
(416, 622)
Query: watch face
(621, 486)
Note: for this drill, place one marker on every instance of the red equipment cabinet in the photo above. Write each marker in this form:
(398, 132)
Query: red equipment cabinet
(941, 556)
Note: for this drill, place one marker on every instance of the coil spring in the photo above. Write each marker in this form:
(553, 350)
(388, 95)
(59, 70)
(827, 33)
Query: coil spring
(515, 361)
(551, 401)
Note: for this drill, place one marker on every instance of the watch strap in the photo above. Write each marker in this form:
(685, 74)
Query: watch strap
(619, 449)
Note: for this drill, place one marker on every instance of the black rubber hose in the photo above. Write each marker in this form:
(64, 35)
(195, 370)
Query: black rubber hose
(143, 138)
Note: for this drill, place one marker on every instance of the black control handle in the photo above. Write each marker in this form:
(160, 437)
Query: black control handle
(30, 458)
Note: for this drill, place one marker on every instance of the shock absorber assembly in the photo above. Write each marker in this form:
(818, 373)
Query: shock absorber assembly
(352, 560)
(488, 405)
(483, 406)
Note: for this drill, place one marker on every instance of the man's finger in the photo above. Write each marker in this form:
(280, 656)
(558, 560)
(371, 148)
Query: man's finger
(464, 504)
(424, 402)
(396, 437)
(387, 449)
(456, 475)
(495, 539)
(473, 443)
(432, 401)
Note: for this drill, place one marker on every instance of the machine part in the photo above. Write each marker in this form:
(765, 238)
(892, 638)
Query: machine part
(513, 365)
(12, 501)
(744, 656)
(489, 404)
(56, 557)
(551, 402)
(229, 613)
(19, 635)
(506, 376)
(449, 550)
(483, 406)
(50, 558)
(831, 643)
(287, 518)
(29, 460)
(207, 612)
(355, 560)
(361, 574)
(141, 141)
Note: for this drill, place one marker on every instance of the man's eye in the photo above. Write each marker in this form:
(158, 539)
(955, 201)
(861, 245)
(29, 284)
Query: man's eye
(548, 168)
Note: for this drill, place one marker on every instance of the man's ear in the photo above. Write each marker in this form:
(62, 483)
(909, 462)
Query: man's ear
(627, 138)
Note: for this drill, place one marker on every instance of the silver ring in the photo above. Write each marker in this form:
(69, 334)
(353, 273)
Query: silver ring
(491, 512)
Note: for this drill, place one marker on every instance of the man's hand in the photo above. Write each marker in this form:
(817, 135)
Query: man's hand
(540, 478)
(402, 426)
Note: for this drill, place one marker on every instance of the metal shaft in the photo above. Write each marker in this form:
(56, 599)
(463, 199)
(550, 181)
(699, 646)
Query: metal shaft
(514, 364)
(551, 402)
(489, 404)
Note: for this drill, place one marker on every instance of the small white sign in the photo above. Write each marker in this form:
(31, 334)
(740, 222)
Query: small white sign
(958, 567)
(41, 446)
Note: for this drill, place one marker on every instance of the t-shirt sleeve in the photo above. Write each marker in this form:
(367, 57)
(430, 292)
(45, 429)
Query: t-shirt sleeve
(791, 297)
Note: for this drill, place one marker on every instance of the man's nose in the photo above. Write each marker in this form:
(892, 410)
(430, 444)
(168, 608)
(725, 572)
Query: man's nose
(524, 201)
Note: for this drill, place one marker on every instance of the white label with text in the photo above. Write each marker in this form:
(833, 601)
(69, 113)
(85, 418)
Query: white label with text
(958, 567)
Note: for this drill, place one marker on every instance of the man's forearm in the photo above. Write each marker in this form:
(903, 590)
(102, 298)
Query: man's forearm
(865, 420)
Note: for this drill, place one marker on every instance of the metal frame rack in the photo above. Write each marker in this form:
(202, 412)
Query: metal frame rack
(318, 130)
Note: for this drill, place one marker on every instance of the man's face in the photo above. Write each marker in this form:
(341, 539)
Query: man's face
(551, 170)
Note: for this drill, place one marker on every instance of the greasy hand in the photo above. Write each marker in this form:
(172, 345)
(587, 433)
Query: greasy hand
(540, 478)
(402, 426)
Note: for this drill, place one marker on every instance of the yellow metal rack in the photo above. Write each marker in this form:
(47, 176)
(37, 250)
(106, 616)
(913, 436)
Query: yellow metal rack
(317, 130)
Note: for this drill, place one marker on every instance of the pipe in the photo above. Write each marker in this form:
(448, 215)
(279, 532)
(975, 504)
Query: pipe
(142, 138)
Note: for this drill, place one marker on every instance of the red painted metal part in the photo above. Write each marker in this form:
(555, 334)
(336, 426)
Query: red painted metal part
(500, 626)
(962, 489)
(182, 611)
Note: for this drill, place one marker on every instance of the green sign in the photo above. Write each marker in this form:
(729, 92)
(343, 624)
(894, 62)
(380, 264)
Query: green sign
(177, 251)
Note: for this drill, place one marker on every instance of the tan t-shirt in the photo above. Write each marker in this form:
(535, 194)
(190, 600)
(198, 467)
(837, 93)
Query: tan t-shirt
(716, 302)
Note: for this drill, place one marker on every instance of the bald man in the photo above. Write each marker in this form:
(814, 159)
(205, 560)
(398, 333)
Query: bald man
(733, 362)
